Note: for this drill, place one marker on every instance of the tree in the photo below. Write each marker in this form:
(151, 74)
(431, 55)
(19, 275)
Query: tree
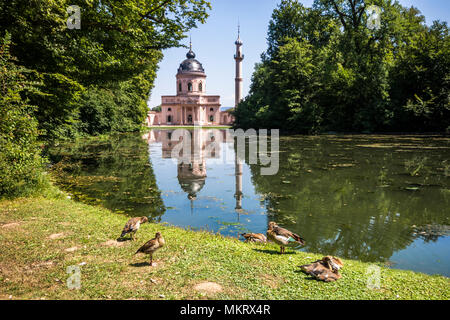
(326, 70)
(119, 42)
(421, 80)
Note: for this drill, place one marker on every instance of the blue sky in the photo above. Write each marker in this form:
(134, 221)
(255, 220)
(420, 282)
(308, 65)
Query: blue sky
(213, 43)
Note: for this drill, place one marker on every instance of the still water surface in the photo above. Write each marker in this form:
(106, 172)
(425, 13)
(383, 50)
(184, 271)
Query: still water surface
(373, 198)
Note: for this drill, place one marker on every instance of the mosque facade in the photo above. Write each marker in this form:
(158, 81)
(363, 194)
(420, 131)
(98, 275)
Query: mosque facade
(191, 106)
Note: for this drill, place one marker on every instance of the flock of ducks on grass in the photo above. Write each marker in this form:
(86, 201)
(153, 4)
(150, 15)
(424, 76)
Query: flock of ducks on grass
(326, 269)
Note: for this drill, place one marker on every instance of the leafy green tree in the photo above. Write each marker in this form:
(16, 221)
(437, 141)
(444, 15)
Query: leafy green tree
(421, 80)
(119, 43)
(326, 70)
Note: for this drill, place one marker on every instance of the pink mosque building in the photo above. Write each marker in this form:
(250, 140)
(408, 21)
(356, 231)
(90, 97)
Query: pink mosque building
(192, 106)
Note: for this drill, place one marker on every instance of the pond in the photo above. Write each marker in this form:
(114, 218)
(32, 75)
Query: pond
(372, 198)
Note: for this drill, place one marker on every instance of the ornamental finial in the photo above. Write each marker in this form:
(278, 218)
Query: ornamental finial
(239, 29)
(190, 54)
(238, 41)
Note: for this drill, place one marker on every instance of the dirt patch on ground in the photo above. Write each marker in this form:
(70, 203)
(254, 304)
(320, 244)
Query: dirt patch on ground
(11, 225)
(135, 282)
(272, 281)
(56, 236)
(25, 274)
(73, 249)
(208, 287)
(42, 264)
(113, 243)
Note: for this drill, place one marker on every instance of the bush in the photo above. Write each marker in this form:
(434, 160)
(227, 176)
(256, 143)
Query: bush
(21, 165)
(117, 108)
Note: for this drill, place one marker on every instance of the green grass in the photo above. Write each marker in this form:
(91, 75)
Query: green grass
(33, 266)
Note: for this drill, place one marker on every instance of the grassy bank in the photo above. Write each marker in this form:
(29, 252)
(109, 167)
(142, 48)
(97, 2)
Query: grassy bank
(40, 238)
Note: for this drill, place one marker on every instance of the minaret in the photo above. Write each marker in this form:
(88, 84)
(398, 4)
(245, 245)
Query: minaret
(238, 57)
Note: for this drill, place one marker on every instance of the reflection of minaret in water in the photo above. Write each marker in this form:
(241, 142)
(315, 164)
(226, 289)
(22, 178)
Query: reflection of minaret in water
(238, 173)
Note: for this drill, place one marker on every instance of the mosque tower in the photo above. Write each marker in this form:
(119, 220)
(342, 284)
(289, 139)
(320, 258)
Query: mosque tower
(238, 57)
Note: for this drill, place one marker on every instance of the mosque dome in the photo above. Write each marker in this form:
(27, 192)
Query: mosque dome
(191, 64)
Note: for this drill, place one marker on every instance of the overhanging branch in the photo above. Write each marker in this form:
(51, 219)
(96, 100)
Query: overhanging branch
(148, 14)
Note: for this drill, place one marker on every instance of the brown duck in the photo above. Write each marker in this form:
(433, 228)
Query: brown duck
(326, 269)
(254, 237)
(132, 226)
(151, 246)
(283, 237)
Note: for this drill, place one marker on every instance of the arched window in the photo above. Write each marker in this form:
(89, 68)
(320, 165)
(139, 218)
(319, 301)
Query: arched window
(169, 119)
(190, 118)
(211, 119)
(190, 87)
(212, 109)
(179, 87)
(170, 109)
(200, 87)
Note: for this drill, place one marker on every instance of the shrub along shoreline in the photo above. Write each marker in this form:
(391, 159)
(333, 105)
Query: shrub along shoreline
(41, 237)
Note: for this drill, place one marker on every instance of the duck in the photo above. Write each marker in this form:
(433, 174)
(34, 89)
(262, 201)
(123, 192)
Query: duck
(326, 269)
(152, 246)
(283, 237)
(132, 226)
(254, 237)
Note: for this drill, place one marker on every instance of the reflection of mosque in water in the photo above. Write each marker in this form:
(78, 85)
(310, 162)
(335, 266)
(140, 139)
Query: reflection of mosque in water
(192, 148)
